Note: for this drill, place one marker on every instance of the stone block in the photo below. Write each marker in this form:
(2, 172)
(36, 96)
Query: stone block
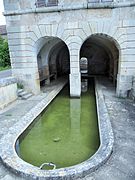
(81, 33)
(66, 33)
(75, 85)
(126, 52)
(129, 23)
(128, 44)
(125, 78)
(73, 45)
(22, 47)
(130, 30)
(74, 70)
(8, 91)
(74, 58)
(42, 30)
(127, 71)
(72, 25)
(74, 39)
(106, 27)
(124, 84)
(48, 29)
(74, 52)
(130, 63)
(21, 54)
(74, 65)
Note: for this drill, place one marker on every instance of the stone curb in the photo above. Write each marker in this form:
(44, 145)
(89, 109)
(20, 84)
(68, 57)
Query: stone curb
(7, 81)
(10, 158)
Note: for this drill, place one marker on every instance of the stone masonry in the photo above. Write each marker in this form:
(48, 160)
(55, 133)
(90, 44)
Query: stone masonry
(110, 24)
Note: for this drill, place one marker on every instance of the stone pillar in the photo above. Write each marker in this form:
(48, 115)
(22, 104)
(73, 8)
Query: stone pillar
(75, 85)
(75, 76)
(124, 84)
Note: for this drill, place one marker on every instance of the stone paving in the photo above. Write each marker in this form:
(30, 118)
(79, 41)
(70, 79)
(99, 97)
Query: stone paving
(120, 166)
(5, 73)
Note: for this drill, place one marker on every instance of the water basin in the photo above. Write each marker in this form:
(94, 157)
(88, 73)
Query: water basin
(66, 133)
(80, 132)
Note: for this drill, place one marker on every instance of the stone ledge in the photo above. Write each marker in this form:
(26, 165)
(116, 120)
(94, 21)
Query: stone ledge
(7, 81)
(10, 158)
(59, 8)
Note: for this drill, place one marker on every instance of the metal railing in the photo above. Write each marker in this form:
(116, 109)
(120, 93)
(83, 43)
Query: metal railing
(46, 3)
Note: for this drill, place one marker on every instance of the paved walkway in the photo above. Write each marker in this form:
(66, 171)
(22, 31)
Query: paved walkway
(121, 165)
(5, 73)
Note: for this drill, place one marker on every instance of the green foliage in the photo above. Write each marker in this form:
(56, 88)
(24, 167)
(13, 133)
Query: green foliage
(20, 86)
(4, 53)
(4, 68)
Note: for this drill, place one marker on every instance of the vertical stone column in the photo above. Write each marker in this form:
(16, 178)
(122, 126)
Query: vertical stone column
(126, 72)
(75, 76)
(124, 84)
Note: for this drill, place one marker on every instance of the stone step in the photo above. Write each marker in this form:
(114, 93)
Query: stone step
(20, 91)
(26, 96)
(23, 93)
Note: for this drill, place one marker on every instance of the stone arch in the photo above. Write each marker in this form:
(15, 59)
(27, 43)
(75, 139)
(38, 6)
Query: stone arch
(47, 49)
(104, 53)
(106, 36)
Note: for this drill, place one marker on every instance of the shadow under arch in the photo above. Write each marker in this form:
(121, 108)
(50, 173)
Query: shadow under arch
(103, 54)
(59, 54)
(51, 63)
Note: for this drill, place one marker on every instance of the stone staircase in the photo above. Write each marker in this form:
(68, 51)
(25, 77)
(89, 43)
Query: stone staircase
(23, 94)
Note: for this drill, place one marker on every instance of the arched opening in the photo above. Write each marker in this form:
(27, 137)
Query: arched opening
(102, 55)
(53, 59)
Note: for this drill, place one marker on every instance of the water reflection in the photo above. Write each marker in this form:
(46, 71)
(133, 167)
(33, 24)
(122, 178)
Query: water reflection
(84, 85)
(75, 110)
(84, 65)
(66, 133)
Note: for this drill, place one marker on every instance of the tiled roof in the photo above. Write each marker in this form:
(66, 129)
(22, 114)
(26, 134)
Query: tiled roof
(3, 30)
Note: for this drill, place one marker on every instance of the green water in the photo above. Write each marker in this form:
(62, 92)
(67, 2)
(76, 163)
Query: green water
(66, 133)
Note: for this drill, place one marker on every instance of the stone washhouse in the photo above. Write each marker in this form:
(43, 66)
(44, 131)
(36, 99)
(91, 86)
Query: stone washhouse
(48, 38)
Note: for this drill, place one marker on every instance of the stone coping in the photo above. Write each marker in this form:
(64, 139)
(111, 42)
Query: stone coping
(68, 7)
(7, 81)
(10, 158)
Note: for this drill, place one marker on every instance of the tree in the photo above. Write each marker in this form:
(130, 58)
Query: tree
(4, 53)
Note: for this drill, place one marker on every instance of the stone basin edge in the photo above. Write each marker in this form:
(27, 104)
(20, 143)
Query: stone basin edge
(11, 160)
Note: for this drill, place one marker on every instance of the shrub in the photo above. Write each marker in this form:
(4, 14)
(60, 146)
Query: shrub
(4, 53)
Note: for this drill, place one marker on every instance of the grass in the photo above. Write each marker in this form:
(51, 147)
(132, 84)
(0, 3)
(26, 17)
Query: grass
(5, 68)
(20, 86)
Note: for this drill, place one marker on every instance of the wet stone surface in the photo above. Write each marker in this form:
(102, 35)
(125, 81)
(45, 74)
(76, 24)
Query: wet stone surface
(121, 164)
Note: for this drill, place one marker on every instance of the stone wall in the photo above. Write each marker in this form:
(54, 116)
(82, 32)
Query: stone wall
(8, 91)
(28, 28)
